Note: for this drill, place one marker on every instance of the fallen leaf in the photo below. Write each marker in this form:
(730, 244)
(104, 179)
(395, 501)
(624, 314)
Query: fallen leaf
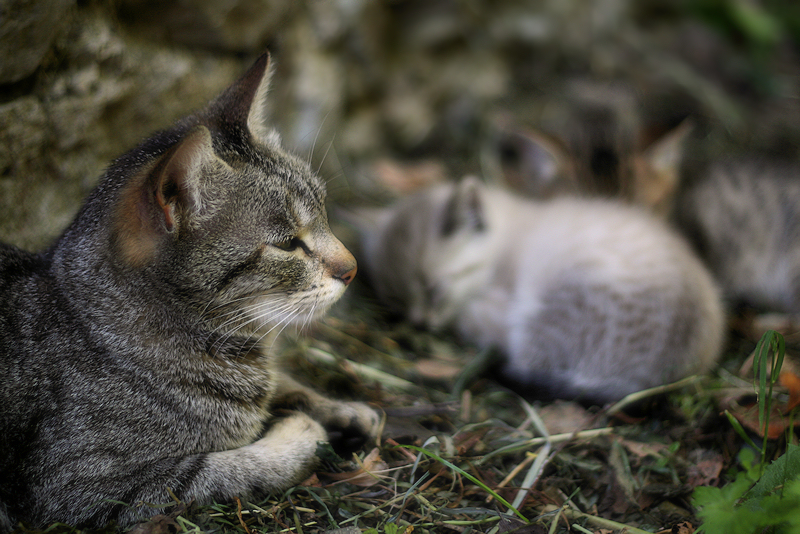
(312, 481)
(705, 472)
(642, 450)
(563, 417)
(791, 382)
(747, 415)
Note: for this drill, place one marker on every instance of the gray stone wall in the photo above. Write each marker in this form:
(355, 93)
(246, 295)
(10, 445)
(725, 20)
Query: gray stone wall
(356, 80)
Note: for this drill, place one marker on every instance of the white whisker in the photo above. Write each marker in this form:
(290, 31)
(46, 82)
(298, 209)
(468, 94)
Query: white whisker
(325, 155)
(249, 315)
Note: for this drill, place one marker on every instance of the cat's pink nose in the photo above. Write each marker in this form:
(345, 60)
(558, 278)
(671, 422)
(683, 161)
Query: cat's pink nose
(348, 276)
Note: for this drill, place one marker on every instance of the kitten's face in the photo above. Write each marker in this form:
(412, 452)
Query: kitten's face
(234, 225)
(429, 254)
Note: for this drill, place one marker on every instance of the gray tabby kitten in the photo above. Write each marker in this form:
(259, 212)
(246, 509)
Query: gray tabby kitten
(131, 354)
(744, 218)
(587, 299)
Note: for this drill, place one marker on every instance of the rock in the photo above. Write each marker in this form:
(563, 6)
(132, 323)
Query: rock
(223, 25)
(27, 30)
(30, 189)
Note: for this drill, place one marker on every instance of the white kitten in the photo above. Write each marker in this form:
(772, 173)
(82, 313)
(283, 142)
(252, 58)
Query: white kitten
(587, 299)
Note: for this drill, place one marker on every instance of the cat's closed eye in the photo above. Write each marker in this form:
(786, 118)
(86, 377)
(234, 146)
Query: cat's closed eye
(289, 244)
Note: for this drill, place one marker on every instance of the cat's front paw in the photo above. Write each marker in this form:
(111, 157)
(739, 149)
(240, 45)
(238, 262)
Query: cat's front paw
(350, 425)
(290, 446)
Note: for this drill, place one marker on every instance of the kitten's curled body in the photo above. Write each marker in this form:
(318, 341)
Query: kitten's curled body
(587, 299)
(131, 354)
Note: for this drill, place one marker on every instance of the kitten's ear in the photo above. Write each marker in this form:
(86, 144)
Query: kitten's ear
(534, 162)
(464, 209)
(657, 169)
(244, 104)
(155, 202)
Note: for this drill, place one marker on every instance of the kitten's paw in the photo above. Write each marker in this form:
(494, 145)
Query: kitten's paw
(350, 425)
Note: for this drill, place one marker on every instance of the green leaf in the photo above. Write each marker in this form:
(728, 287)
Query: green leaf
(716, 506)
(778, 474)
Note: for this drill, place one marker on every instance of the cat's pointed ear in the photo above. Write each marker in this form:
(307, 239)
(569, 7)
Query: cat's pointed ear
(244, 103)
(154, 203)
(464, 209)
(658, 169)
(176, 178)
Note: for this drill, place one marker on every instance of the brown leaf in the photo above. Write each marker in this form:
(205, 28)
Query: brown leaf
(791, 382)
(562, 417)
(643, 450)
(747, 415)
(705, 472)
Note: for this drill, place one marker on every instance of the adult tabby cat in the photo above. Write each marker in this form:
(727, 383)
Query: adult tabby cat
(131, 357)
(587, 299)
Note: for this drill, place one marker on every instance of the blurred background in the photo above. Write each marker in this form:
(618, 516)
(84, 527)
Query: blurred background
(372, 90)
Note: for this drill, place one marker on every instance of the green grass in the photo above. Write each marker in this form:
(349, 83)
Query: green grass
(465, 455)
(764, 496)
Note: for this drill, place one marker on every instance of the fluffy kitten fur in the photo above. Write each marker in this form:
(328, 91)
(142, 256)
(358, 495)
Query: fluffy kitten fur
(132, 358)
(744, 218)
(587, 299)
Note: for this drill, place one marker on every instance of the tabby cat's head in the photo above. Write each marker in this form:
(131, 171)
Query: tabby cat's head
(429, 254)
(229, 223)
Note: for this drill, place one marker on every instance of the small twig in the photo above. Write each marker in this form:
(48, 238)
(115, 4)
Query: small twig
(557, 438)
(529, 457)
(645, 393)
(574, 515)
(362, 370)
(408, 454)
(239, 515)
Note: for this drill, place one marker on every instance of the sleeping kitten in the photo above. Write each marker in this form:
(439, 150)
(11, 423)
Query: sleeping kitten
(131, 359)
(587, 299)
(744, 218)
